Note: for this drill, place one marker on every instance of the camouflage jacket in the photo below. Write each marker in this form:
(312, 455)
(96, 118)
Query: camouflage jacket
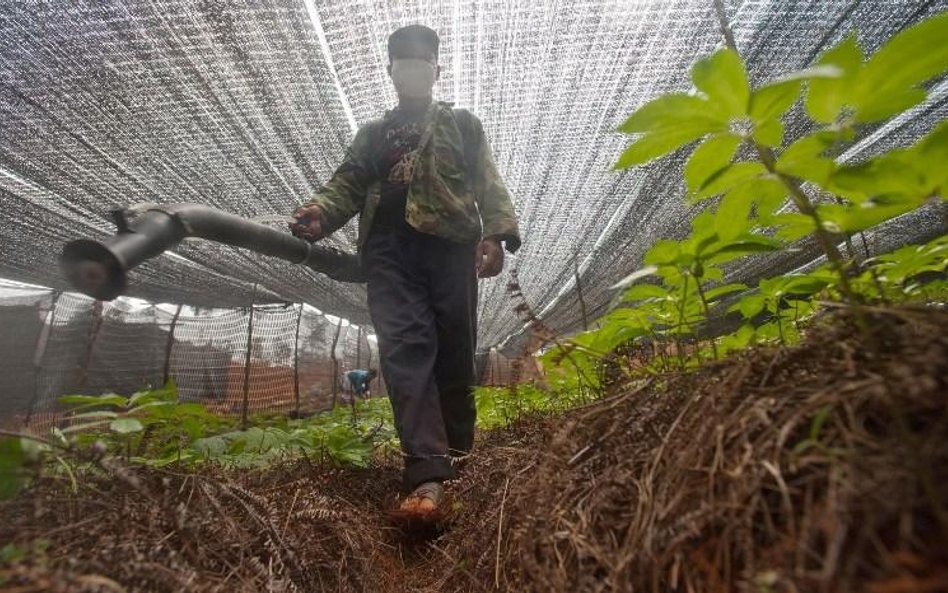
(456, 191)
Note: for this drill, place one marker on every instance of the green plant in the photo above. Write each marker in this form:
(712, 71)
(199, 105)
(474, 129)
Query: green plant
(500, 406)
(910, 272)
(147, 419)
(844, 91)
(16, 456)
(765, 193)
(785, 301)
(152, 428)
(330, 435)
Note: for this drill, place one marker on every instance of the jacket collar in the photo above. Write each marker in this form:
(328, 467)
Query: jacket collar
(431, 109)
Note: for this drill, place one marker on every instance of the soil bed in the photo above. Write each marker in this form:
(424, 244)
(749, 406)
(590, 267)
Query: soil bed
(822, 467)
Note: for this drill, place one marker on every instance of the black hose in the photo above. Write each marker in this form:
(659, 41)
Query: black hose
(99, 268)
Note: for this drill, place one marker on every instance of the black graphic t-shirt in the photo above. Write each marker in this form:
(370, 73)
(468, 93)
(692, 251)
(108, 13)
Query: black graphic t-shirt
(399, 144)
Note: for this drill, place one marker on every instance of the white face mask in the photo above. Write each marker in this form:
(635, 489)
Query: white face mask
(413, 78)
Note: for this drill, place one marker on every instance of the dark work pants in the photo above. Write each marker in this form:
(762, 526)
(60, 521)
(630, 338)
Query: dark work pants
(422, 295)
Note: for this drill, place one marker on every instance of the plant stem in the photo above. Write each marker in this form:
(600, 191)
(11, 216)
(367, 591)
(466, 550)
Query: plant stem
(662, 353)
(707, 315)
(681, 321)
(797, 195)
(726, 31)
(805, 206)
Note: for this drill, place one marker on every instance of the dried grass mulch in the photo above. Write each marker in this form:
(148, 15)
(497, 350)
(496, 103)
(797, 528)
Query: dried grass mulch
(822, 467)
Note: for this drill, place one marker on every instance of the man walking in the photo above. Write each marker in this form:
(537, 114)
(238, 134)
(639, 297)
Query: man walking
(433, 215)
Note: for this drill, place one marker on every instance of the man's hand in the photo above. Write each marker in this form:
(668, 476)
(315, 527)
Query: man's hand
(310, 223)
(488, 258)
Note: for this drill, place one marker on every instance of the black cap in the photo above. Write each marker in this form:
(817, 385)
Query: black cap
(413, 41)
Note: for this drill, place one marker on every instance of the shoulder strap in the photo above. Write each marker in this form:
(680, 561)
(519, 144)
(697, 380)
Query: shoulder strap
(463, 118)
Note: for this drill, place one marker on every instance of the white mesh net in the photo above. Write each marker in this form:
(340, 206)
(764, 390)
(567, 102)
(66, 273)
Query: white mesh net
(248, 107)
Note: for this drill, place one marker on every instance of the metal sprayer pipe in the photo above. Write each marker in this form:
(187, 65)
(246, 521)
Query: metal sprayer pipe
(100, 268)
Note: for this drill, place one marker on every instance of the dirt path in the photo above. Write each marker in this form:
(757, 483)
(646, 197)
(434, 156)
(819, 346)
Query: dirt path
(817, 468)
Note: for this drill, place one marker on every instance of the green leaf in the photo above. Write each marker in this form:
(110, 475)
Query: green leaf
(729, 177)
(932, 154)
(886, 84)
(733, 215)
(713, 155)
(903, 263)
(702, 231)
(826, 97)
(84, 426)
(86, 401)
(745, 244)
(811, 73)
(792, 225)
(769, 133)
(672, 111)
(768, 193)
(697, 245)
(619, 326)
(805, 285)
(636, 275)
(652, 146)
(720, 291)
(211, 447)
(712, 273)
(805, 158)
(885, 106)
(750, 305)
(13, 476)
(644, 291)
(934, 146)
(774, 288)
(168, 393)
(96, 415)
(772, 100)
(738, 340)
(723, 79)
(126, 426)
(891, 177)
(156, 408)
(841, 218)
(664, 252)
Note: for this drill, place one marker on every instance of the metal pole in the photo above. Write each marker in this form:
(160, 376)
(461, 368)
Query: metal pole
(296, 365)
(579, 291)
(246, 403)
(42, 342)
(169, 345)
(93, 333)
(359, 349)
(334, 365)
(368, 363)
(352, 396)
(494, 363)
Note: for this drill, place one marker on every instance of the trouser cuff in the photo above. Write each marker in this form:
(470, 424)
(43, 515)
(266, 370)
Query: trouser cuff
(419, 470)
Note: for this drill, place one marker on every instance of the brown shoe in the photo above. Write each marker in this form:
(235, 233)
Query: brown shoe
(424, 500)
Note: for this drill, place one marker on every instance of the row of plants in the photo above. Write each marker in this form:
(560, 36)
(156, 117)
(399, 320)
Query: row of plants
(757, 194)
(501, 406)
(152, 427)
